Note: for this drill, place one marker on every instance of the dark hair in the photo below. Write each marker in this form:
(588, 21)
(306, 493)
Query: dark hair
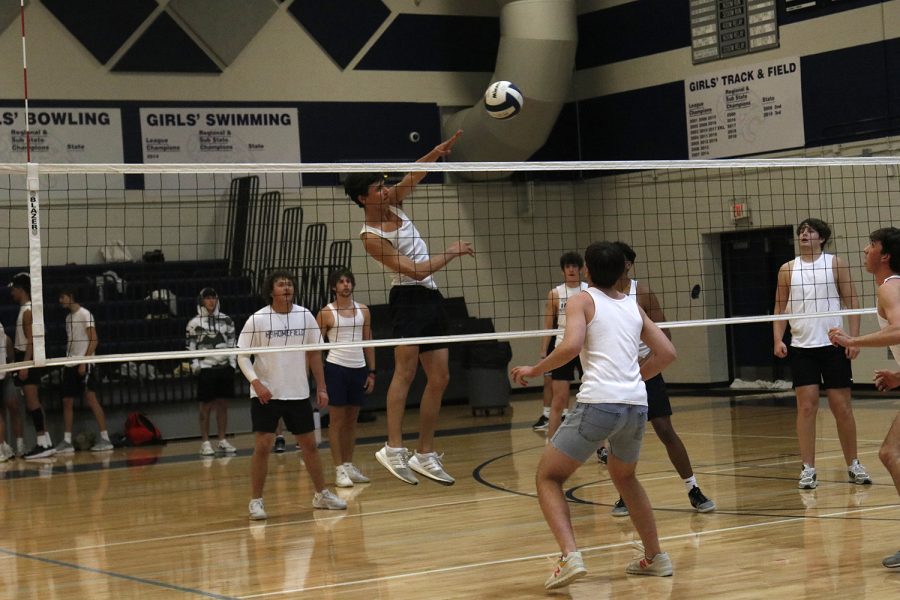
(70, 292)
(21, 281)
(208, 292)
(269, 284)
(571, 258)
(605, 263)
(630, 254)
(336, 275)
(889, 237)
(819, 226)
(357, 184)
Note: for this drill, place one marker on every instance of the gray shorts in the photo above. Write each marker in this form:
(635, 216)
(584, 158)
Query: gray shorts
(587, 425)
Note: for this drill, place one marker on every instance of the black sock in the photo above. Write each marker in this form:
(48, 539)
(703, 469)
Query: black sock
(37, 417)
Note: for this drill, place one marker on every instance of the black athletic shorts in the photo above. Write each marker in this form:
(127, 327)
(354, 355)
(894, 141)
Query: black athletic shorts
(297, 415)
(417, 311)
(826, 366)
(214, 383)
(550, 347)
(34, 375)
(567, 371)
(75, 385)
(658, 404)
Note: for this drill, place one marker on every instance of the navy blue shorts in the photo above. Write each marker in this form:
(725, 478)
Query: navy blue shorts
(346, 385)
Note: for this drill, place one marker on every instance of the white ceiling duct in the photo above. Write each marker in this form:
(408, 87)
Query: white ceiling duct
(538, 39)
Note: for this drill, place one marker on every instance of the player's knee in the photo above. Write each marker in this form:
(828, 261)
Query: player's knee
(307, 444)
(890, 457)
(439, 379)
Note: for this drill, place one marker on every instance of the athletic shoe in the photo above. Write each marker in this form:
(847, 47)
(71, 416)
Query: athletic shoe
(603, 455)
(341, 479)
(700, 502)
(396, 460)
(206, 449)
(6, 452)
(102, 446)
(429, 465)
(354, 474)
(279, 444)
(893, 561)
(542, 423)
(568, 569)
(257, 510)
(659, 565)
(39, 452)
(857, 474)
(619, 509)
(225, 447)
(807, 478)
(327, 500)
(65, 447)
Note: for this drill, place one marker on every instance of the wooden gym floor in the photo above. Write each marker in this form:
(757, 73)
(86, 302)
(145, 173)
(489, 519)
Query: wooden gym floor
(163, 523)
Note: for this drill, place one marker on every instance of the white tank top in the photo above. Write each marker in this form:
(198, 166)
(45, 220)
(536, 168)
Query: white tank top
(609, 356)
(346, 329)
(21, 342)
(643, 349)
(409, 243)
(563, 293)
(895, 349)
(813, 290)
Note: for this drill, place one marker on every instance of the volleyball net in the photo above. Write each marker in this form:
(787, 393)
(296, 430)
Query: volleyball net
(135, 244)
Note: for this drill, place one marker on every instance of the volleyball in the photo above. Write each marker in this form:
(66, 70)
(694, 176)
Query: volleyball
(503, 100)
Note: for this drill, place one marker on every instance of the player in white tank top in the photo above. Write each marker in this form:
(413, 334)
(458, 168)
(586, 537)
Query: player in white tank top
(605, 327)
(342, 321)
(571, 265)
(883, 261)
(659, 408)
(391, 239)
(814, 282)
(28, 379)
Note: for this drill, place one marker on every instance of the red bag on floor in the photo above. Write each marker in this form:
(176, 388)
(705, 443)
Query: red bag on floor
(140, 430)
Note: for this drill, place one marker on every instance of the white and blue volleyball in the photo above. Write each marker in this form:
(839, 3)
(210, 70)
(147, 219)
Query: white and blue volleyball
(503, 100)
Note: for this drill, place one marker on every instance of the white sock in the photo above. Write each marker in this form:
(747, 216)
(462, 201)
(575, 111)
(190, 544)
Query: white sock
(547, 411)
(806, 466)
(67, 436)
(690, 483)
(46, 440)
(104, 435)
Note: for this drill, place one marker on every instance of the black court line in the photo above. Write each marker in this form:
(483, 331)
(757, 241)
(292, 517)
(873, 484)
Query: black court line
(571, 493)
(150, 582)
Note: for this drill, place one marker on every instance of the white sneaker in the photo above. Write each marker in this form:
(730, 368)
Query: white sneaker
(354, 474)
(327, 500)
(568, 569)
(429, 465)
(807, 478)
(659, 566)
(257, 510)
(6, 452)
(857, 474)
(65, 447)
(225, 447)
(395, 461)
(206, 449)
(341, 478)
(102, 446)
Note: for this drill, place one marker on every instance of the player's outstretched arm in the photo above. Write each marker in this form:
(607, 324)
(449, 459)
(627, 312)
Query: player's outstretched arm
(400, 191)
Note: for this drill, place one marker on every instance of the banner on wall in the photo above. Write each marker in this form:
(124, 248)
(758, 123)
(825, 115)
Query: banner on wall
(220, 135)
(746, 110)
(62, 135)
